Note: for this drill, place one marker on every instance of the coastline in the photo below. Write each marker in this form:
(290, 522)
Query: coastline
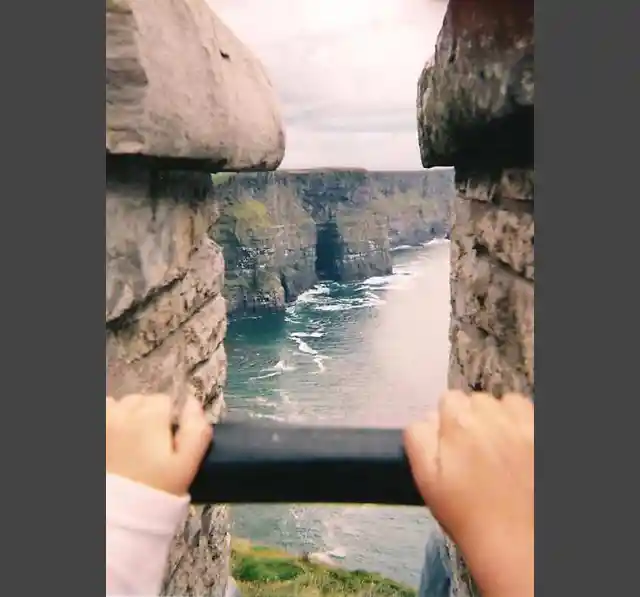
(264, 571)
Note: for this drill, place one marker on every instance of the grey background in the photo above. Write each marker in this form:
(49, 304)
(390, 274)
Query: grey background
(53, 282)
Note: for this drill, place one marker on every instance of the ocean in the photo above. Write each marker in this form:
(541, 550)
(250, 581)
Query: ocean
(371, 353)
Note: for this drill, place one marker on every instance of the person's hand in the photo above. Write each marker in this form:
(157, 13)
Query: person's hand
(142, 447)
(473, 463)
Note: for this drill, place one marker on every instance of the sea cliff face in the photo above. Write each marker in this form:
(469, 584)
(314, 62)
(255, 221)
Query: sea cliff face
(283, 231)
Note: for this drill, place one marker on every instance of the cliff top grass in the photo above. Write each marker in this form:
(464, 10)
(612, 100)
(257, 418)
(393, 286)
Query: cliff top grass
(220, 178)
(241, 221)
(249, 213)
(262, 571)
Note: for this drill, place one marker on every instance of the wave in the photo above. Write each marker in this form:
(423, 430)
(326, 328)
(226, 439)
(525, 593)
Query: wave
(322, 558)
(284, 396)
(351, 304)
(436, 241)
(336, 307)
(319, 299)
(309, 295)
(315, 334)
(303, 346)
(278, 369)
(265, 376)
(283, 366)
(339, 553)
(375, 281)
(319, 361)
(373, 296)
(262, 400)
(270, 417)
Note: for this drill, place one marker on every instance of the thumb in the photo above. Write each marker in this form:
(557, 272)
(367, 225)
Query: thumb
(421, 441)
(193, 437)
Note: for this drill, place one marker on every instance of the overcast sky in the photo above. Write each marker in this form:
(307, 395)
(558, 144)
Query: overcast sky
(346, 73)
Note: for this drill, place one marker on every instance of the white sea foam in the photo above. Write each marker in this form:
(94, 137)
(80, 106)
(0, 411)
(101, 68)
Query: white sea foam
(262, 400)
(316, 334)
(265, 376)
(435, 242)
(376, 281)
(309, 296)
(267, 416)
(303, 346)
(355, 303)
(336, 307)
(283, 366)
(319, 361)
(338, 553)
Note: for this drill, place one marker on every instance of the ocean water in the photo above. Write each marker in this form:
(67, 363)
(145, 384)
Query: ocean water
(372, 353)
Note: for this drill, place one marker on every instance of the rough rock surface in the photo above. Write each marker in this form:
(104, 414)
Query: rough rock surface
(184, 98)
(268, 241)
(179, 84)
(475, 112)
(492, 278)
(165, 323)
(283, 231)
(475, 97)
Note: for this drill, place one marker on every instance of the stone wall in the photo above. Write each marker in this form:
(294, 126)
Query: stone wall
(492, 275)
(165, 322)
(184, 97)
(475, 112)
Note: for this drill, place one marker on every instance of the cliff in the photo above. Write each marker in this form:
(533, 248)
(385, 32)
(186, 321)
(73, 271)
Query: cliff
(183, 97)
(283, 231)
(475, 111)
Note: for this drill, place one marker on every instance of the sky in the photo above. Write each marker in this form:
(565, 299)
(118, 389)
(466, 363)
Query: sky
(346, 74)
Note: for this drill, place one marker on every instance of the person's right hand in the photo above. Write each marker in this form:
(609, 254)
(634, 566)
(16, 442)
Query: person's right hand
(142, 447)
(473, 463)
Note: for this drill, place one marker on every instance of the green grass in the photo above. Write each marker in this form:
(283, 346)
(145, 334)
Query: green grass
(262, 571)
(219, 178)
(250, 213)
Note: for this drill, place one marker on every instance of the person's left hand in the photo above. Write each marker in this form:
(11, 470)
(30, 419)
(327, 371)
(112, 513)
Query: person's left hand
(142, 447)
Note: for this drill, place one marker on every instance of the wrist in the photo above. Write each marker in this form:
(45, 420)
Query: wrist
(156, 483)
(502, 566)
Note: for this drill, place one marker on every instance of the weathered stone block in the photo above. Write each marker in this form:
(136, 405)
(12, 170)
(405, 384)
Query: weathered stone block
(479, 364)
(208, 378)
(199, 554)
(148, 242)
(505, 234)
(204, 332)
(166, 311)
(487, 294)
(513, 183)
(517, 183)
(475, 97)
(179, 84)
